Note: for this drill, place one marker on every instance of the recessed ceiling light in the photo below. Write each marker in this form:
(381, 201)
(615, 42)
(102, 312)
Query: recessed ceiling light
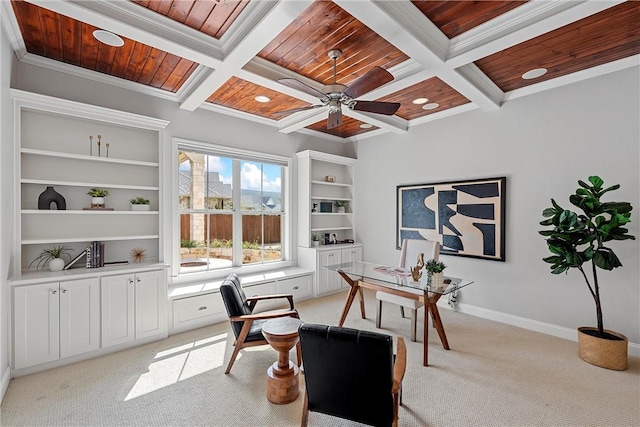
(262, 98)
(366, 126)
(419, 101)
(534, 74)
(108, 38)
(431, 106)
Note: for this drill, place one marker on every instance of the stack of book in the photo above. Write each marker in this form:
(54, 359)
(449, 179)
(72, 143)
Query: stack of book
(95, 255)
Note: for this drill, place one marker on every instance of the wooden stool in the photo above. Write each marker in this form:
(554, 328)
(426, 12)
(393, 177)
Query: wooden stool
(282, 376)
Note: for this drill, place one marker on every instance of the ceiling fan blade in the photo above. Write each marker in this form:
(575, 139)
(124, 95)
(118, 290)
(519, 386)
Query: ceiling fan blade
(303, 87)
(374, 78)
(387, 108)
(335, 119)
(296, 110)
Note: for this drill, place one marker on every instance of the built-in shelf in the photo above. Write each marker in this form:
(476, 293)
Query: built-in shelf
(87, 239)
(87, 158)
(87, 184)
(84, 212)
(335, 184)
(329, 213)
(330, 198)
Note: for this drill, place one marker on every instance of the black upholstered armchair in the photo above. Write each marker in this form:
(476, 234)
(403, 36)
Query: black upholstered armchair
(352, 374)
(247, 326)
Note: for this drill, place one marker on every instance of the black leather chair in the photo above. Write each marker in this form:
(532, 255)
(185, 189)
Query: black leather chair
(352, 374)
(247, 326)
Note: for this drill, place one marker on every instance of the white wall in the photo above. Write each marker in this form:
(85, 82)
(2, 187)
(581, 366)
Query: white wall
(6, 195)
(543, 144)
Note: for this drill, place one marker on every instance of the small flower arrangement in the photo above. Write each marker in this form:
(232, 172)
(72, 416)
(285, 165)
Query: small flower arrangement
(315, 237)
(140, 201)
(98, 192)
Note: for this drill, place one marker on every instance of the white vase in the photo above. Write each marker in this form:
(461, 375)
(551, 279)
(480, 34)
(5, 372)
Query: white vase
(315, 243)
(340, 209)
(97, 202)
(435, 280)
(56, 264)
(140, 207)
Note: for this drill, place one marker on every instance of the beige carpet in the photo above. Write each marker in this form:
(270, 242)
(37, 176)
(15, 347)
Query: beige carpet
(494, 375)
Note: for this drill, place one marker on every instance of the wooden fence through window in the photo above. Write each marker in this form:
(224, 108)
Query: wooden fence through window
(221, 226)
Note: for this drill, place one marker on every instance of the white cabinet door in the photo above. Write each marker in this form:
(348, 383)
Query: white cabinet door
(328, 280)
(299, 287)
(36, 326)
(350, 255)
(79, 316)
(118, 311)
(151, 304)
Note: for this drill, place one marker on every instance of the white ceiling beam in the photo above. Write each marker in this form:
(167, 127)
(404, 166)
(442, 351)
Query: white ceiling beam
(301, 120)
(401, 24)
(278, 16)
(518, 25)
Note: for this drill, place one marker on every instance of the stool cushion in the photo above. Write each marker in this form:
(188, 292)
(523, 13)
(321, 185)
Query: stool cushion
(395, 299)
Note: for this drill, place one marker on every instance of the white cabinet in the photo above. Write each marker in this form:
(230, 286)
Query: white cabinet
(328, 281)
(198, 310)
(53, 149)
(133, 307)
(55, 320)
(323, 180)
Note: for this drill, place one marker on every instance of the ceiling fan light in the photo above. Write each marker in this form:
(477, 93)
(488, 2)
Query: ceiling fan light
(430, 106)
(534, 74)
(420, 101)
(108, 38)
(262, 98)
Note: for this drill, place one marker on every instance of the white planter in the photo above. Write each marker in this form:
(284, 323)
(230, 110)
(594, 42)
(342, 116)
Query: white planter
(56, 264)
(315, 243)
(340, 209)
(140, 207)
(97, 202)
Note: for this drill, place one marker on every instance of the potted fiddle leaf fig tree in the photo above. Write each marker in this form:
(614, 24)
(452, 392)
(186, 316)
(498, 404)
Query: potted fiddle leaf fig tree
(579, 240)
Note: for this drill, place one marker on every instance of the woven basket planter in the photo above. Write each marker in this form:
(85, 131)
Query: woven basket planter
(602, 352)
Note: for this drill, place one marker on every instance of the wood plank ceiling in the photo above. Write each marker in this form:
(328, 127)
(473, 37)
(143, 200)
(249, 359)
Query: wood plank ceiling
(215, 54)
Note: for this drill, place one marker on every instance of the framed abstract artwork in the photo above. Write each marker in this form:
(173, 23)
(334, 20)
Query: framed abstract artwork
(466, 217)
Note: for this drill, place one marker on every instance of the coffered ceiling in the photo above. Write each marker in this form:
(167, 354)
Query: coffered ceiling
(220, 55)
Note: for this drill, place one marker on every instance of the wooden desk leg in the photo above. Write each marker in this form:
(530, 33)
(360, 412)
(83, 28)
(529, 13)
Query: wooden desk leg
(425, 337)
(352, 293)
(361, 302)
(437, 323)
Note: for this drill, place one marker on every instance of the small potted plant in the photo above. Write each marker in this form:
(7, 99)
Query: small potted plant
(435, 273)
(97, 197)
(140, 204)
(53, 256)
(315, 240)
(341, 206)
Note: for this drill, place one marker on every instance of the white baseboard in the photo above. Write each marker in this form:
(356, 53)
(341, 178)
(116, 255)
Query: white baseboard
(4, 382)
(532, 325)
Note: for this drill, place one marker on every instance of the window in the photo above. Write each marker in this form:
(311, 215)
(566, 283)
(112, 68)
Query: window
(231, 208)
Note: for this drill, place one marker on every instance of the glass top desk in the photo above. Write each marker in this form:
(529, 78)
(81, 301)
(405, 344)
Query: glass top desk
(397, 281)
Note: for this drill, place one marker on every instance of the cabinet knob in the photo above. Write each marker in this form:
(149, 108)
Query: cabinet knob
(131, 281)
(137, 280)
(64, 291)
(53, 291)
(295, 288)
(203, 308)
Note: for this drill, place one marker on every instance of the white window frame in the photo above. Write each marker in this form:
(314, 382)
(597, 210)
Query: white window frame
(235, 153)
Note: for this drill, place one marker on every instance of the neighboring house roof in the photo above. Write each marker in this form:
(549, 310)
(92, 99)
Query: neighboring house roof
(215, 187)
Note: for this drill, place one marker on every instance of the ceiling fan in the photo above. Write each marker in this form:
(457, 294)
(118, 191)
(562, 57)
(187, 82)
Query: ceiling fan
(336, 95)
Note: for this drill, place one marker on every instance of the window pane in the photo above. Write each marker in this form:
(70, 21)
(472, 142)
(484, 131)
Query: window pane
(204, 181)
(261, 238)
(260, 186)
(206, 242)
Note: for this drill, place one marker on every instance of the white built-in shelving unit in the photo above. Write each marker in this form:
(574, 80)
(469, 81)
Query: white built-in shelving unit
(53, 149)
